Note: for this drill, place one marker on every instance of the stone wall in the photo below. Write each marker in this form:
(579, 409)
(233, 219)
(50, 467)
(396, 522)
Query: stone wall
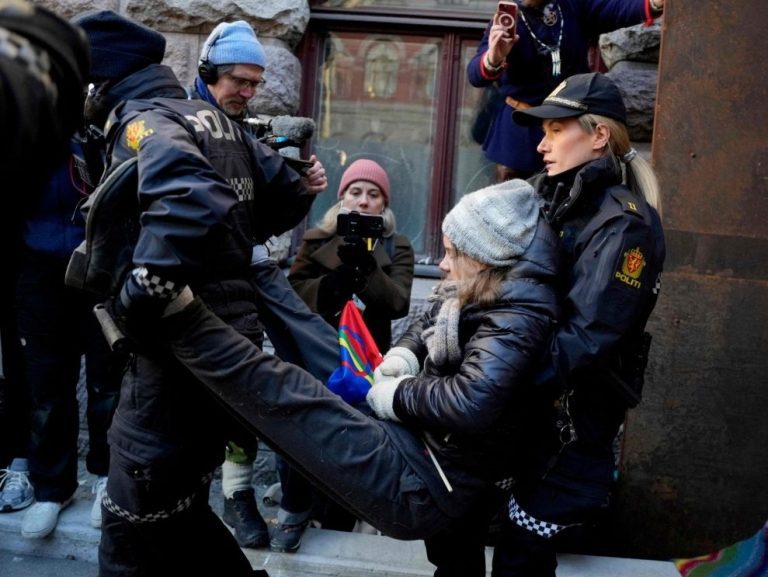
(279, 24)
(631, 54)
(632, 57)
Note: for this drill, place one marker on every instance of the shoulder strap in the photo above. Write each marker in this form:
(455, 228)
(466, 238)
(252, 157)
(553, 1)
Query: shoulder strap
(102, 260)
(628, 200)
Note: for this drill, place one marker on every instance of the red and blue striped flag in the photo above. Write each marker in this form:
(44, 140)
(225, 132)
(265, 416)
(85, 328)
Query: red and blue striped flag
(359, 357)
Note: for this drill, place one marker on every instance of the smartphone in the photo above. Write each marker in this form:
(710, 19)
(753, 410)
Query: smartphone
(300, 166)
(356, 224)
(507, 12)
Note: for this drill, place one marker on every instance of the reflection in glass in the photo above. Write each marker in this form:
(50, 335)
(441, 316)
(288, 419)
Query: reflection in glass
(471, 169)
(381, 70)
(405, 6)
(377, 98)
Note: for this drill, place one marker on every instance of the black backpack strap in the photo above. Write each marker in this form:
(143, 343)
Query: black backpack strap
(102, 260)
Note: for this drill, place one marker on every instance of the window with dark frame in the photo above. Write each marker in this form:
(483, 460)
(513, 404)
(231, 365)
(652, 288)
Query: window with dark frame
(386, 80)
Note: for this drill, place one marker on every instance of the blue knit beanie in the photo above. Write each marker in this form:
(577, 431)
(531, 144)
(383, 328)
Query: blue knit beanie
(119, 46)
(233, 43)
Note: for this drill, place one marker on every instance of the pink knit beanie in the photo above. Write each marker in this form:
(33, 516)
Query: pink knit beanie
(364, 169)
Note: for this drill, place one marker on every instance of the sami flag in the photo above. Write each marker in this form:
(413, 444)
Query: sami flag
(359, 357)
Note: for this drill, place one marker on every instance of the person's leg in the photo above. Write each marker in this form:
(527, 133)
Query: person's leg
(348, 455)
(14, 397)
(103, 376)
(150, 527)
(52, 360)
(16, 491)
(332, 515)
(523, 553)
(298, 335)
(295, 509)
(539, 514)
(240, 509)
(459, 551)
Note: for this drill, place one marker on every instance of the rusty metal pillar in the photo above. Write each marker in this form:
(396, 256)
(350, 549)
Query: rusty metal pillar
(695, 474)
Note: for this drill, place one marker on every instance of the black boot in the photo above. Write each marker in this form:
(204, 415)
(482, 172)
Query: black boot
(241, 513)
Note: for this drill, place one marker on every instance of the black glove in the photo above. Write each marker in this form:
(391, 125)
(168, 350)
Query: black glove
(339, 284)
(135, 313)
(354, 253)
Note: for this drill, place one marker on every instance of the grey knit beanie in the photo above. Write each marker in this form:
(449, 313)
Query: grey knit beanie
(494, 225)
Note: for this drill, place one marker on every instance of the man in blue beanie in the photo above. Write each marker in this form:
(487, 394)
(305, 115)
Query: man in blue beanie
(231, 67)
(207, 193)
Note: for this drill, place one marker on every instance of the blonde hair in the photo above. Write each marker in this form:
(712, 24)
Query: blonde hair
(485, 286)
(640, 177)
(327, 222)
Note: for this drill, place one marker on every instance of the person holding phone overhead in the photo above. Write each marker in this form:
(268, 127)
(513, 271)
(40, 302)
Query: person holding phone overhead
(549, 42)
(332, 267)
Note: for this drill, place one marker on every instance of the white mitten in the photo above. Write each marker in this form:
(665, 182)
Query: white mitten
(381, 397)
(397, 362)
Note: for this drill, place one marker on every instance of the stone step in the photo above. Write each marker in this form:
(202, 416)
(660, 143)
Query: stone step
(322, 552)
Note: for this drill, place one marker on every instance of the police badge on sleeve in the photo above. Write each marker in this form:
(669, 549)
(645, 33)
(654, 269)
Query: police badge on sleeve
(631, 268)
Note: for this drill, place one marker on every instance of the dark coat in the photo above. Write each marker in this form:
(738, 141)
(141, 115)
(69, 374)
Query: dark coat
(387, 293)
(207, 194)
(380, 470)
(528, 76)
(613, 250)
(476, 412)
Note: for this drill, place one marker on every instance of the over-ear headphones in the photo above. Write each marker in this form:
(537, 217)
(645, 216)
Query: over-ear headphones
(207, 71)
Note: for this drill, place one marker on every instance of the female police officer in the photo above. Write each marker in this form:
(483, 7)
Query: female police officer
(604, 201)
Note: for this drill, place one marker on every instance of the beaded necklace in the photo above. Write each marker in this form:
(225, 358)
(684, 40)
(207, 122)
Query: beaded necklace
(554, 51)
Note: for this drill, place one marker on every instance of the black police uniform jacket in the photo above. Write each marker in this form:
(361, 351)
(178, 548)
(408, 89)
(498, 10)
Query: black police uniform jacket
(613, 251)
(207, 193)
(475, 414)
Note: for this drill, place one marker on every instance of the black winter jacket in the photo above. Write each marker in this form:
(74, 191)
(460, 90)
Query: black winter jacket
(207, 194)
(476, 414)
(207, 191)
(613, 251)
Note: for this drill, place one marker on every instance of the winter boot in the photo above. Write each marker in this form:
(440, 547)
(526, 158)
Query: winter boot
(241, 513)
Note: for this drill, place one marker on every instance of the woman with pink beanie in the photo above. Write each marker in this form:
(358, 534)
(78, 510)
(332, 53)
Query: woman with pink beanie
(329, 270)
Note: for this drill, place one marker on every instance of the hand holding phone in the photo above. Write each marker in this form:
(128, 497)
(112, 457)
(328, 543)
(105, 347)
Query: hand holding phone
(299, 165)
(507, 16)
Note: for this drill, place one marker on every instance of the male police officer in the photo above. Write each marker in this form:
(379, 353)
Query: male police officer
(207, 194)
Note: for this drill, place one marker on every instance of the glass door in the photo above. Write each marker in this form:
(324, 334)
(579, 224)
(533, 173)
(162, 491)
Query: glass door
(402, 99)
